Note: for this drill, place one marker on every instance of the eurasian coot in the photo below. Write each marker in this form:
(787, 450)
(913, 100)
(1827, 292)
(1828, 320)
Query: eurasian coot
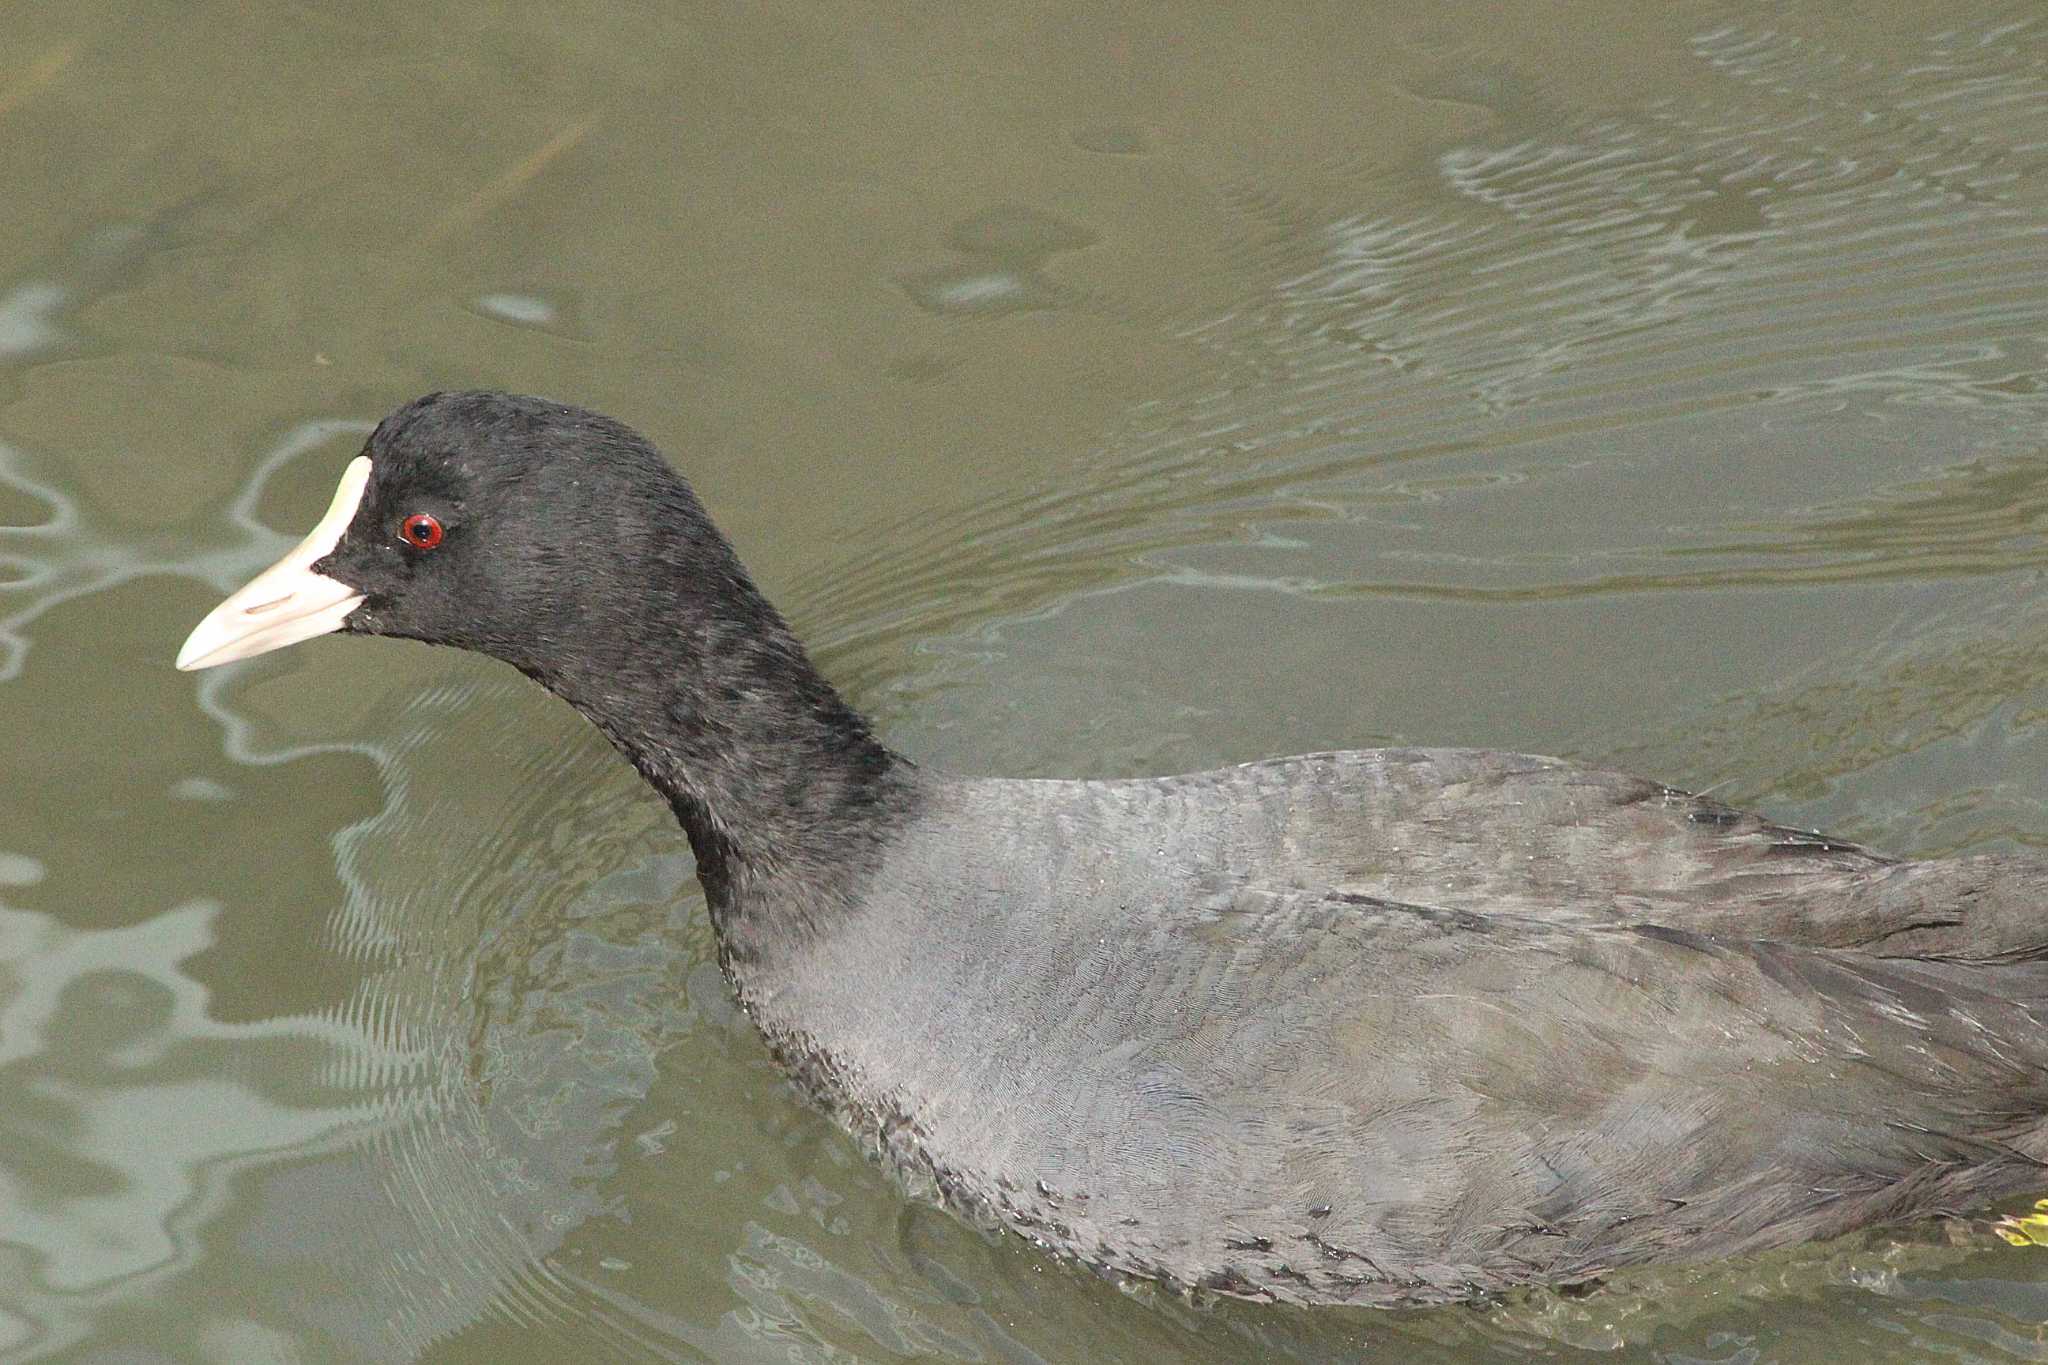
(1375, 1027)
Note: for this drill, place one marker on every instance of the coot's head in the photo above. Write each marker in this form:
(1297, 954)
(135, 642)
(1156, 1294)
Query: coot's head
(513, 526)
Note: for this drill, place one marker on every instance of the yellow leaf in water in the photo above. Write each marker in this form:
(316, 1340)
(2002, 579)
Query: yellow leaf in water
(2031, 1230)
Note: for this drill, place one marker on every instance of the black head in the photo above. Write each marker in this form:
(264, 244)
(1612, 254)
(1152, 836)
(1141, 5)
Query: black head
(562, 543)
(509, 525)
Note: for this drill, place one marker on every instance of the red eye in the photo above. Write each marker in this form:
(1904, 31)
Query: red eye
(420, 531)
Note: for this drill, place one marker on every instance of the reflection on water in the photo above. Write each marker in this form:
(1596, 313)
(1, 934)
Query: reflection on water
(1576, 339)
(60, 554)
(1006, 250)
(455, 1096)
(365, 1009)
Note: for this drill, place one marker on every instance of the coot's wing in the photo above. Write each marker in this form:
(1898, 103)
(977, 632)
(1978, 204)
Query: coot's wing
(1522, 834)
(1379, 1102)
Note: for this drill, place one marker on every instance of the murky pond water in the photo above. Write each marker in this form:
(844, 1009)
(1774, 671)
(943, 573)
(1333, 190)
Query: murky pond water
(1101, 391)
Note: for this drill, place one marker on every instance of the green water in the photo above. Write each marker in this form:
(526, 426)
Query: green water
(1102, 389)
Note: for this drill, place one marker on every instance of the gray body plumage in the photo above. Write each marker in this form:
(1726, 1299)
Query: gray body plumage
(1400, 1026)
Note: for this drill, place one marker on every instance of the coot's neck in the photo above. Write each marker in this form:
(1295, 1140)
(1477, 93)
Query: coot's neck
(783, 789)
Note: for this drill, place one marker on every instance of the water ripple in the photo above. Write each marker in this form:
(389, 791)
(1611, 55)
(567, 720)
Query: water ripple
(1694, 287)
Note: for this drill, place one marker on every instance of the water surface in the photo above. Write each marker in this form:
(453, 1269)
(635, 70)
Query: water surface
(1102, 392)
